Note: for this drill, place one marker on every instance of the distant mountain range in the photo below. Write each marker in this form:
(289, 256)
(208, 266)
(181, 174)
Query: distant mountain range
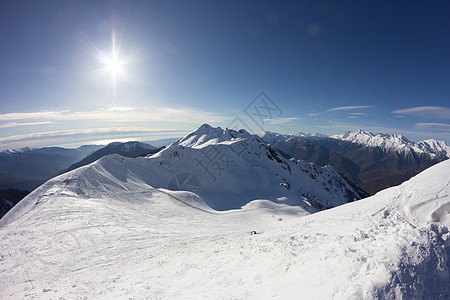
(128, 149)
(28, 168)
(371, 161)
(161, 142)
(396, 143)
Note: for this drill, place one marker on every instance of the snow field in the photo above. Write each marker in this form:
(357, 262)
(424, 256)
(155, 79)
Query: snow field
(112, 230)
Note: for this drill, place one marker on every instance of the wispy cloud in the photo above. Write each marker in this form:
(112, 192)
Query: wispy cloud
(121, 108)
(40, 115)
(355, 115)
(14, 124)
(71, 132)
(433, 126)
(354, 107)
(119, 114)
(108, 123)
(342, 108)
(278, 121)
(425, 111)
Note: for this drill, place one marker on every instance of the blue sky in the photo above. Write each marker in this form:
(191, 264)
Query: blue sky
(77, 72)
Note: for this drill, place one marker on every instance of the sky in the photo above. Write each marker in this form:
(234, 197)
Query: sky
(92, 72)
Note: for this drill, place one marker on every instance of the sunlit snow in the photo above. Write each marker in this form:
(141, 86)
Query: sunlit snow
(103, 231)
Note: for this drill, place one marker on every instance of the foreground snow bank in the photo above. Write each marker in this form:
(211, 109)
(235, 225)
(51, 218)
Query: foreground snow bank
(143, 242)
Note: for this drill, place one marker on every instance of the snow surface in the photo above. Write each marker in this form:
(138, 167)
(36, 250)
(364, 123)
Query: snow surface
(161, 244)
(103, 231)
(396, 142)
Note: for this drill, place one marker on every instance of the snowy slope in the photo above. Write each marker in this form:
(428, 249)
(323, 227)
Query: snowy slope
(102, 232)
(396, 142)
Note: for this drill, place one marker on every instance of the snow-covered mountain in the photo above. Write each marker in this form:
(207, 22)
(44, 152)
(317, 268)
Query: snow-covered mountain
(103, 231)
(372, 162)
(396, 142)
(234, 167)
(226, 168)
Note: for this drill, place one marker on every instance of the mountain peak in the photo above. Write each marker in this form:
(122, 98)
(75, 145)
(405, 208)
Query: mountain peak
(361, 131)
(205, 126)
(206, 135)
(234, 167)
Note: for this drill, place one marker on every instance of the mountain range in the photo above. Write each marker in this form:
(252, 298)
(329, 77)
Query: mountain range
(223, 214)
(371, 161)
(396, 143)
(28, 168)
(128, 149)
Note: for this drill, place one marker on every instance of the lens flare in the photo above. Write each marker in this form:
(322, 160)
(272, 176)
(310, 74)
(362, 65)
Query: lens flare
(113, 62)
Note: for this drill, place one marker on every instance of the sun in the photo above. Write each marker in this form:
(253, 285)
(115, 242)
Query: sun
(114, 65)
(111, 62)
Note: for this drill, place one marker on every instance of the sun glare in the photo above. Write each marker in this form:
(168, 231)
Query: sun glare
(114, 63)
(114, 66)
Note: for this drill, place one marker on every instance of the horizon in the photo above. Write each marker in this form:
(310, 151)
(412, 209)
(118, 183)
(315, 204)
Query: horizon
(76, 73)
(106, 142)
